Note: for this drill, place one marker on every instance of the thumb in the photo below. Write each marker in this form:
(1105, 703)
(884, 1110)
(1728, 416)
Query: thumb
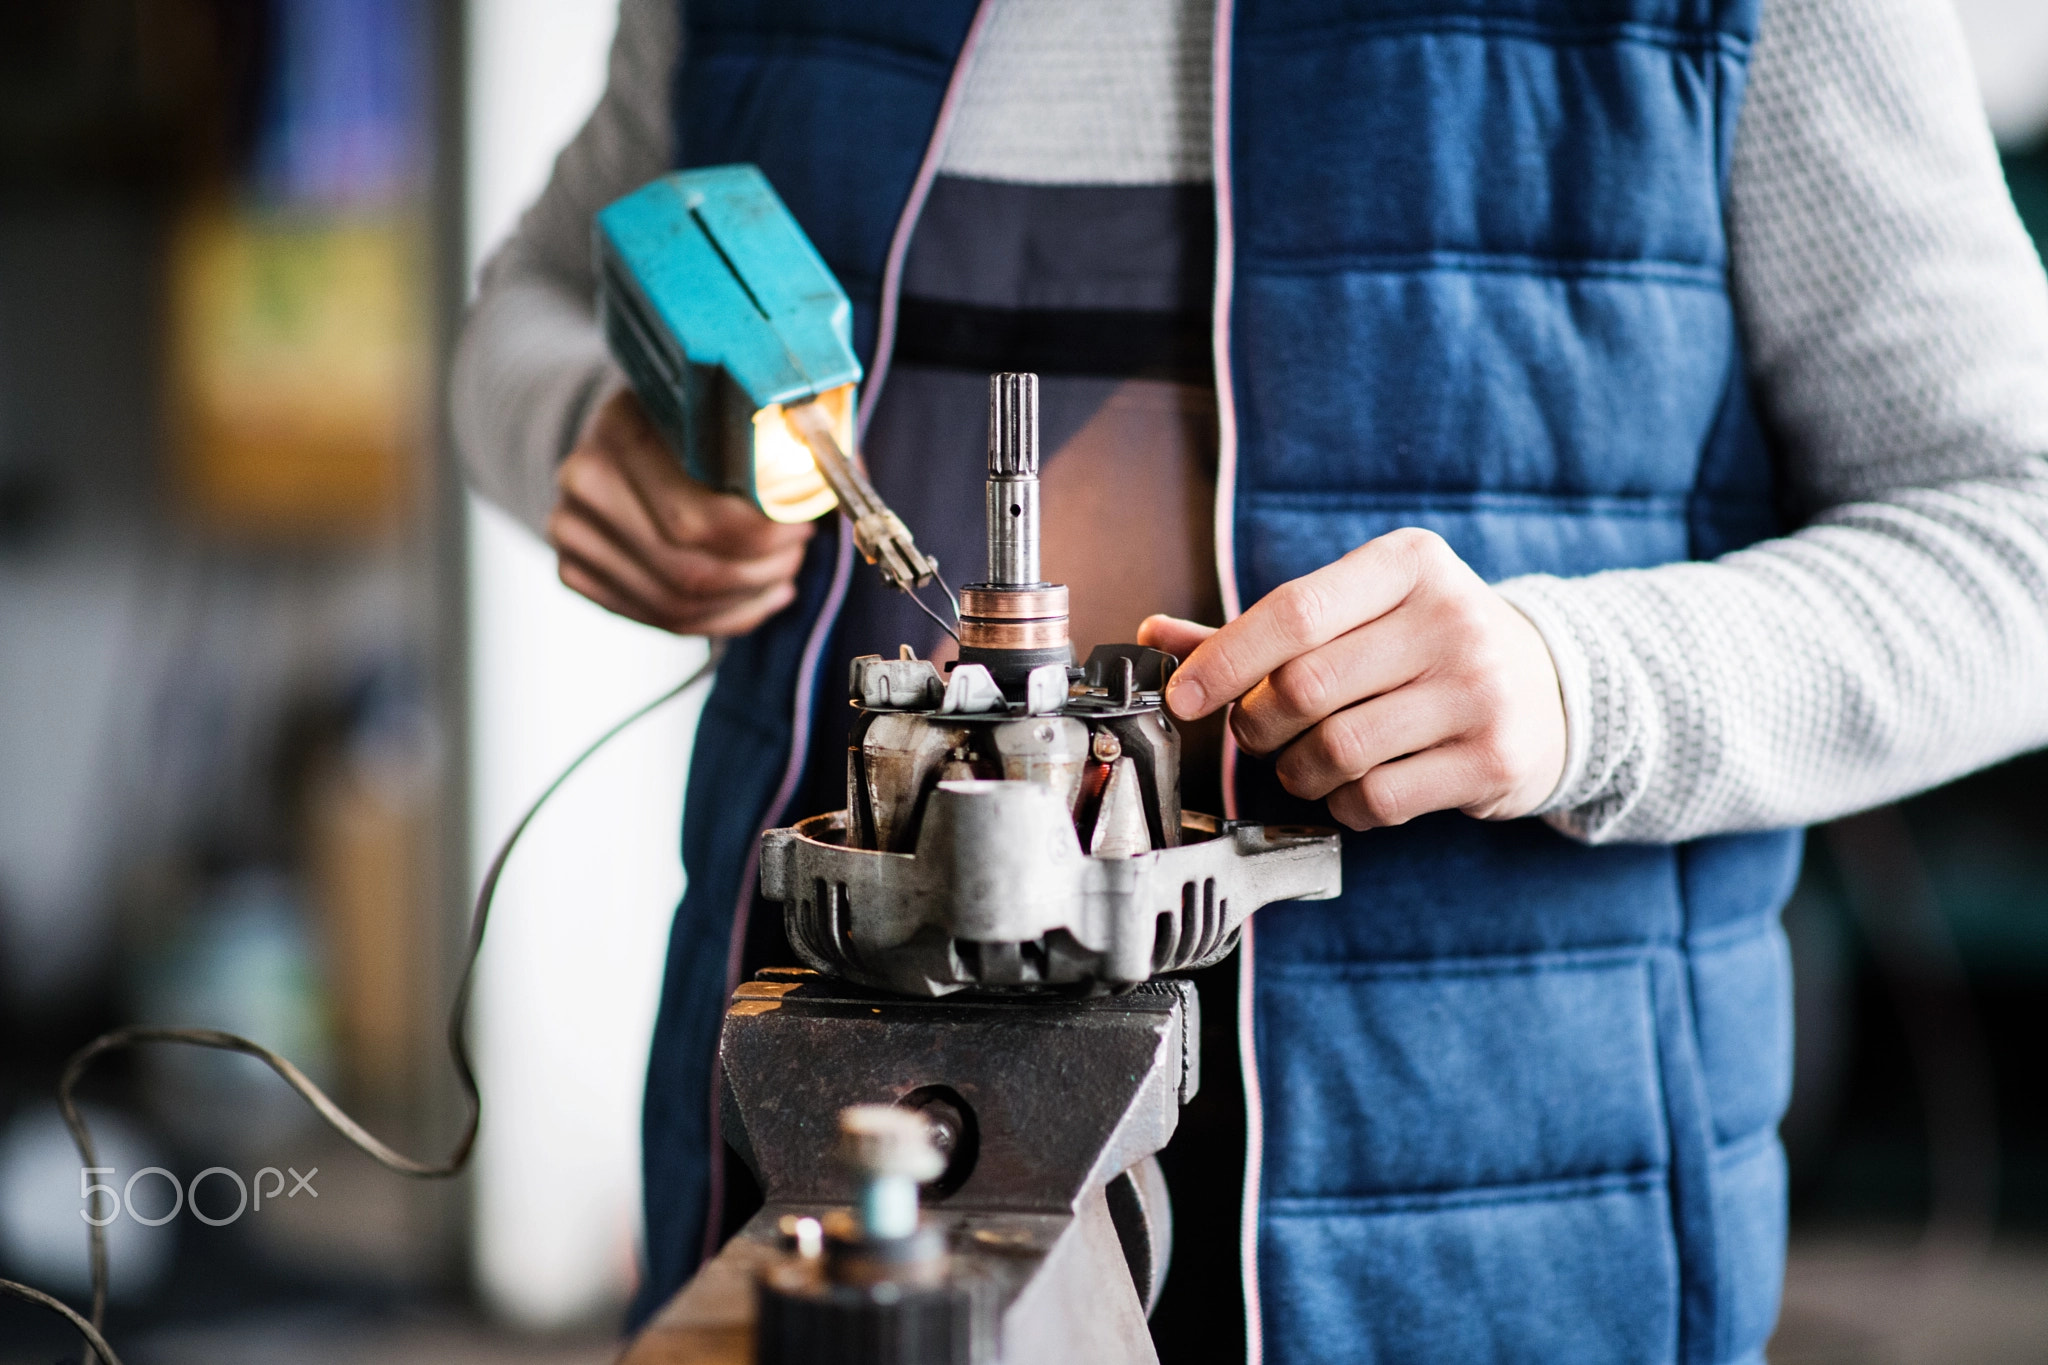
(1173, 635)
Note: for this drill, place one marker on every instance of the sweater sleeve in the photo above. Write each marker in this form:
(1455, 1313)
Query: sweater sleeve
(531, 363)
(1895, 321)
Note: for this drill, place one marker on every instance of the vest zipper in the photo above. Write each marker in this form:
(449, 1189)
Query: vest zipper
(835, 598)
(1225, 519)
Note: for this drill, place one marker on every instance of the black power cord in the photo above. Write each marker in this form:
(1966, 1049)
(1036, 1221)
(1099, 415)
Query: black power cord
(97, 1348)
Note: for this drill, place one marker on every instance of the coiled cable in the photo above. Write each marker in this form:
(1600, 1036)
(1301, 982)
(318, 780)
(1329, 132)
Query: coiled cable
(367, 1142)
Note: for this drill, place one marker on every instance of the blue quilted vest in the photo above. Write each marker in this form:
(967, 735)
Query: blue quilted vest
(1514, 1099)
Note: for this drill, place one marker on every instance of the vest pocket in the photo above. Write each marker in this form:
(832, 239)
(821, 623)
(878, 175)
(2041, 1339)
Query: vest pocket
(1466, 1159)
(1579, 1271)
(1407, 1078)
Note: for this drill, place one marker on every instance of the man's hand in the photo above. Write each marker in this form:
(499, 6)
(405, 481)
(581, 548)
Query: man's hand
(1395, 680)
(638, 536)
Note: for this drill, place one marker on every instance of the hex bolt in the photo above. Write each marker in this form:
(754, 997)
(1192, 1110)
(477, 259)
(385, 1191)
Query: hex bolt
(890, 1153)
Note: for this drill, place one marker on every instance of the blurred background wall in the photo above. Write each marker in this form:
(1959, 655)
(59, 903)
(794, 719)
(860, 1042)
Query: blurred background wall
(229, 631)
(272, 686)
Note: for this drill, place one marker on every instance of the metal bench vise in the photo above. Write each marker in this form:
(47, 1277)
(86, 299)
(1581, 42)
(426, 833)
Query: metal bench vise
(1050, 1213)
(985, 927)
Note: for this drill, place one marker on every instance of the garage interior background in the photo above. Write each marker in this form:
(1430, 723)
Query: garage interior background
(271, 686)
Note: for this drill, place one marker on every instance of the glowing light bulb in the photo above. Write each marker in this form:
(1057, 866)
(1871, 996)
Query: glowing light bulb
(787, 484)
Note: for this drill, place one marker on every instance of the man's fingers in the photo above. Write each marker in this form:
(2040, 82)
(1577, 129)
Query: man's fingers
(580, 578)
(591, 484)
(693, 573)
(638, 536)
(601, 553)
(726, 616)
(1353, 742)
(709, 585)
(1447, 777)
(594, 492)
(1173, 635)
(624, 442)
(1375, 658)
(735, 528)
(741, 617)
(685, 512)
(623, 453)
(623, 580)
(1302, 615)
(1292, 619)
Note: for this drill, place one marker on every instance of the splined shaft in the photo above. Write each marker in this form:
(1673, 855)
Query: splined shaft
(1012, 425)
(1013, 480)
(1016, 621)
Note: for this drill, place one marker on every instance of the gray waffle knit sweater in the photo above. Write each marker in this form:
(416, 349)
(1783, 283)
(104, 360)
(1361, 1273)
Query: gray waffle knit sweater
(1895, 319)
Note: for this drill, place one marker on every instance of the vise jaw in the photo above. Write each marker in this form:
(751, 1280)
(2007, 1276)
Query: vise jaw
(1050, 1199)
